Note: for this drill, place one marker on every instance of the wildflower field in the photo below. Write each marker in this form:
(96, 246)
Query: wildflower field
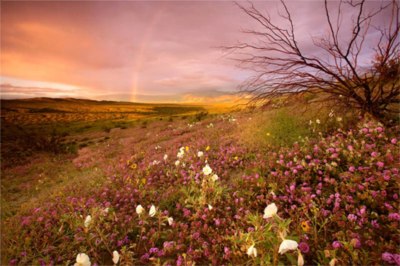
(230, 189)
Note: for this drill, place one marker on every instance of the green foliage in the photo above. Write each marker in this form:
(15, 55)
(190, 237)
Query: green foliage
(266, 236)
(197, 196)
(284, 128)
(174, 110)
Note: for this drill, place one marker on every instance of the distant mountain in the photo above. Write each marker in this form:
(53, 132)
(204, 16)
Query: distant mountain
(210, 93)
(140, 98)
(63, 102)
(199, 96)
(8, 91)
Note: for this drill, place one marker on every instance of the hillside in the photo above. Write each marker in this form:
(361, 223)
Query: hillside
(225, 189)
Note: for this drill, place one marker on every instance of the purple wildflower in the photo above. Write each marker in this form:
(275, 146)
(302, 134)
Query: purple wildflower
(179, 261)
(153, 250)
(394, 216)
(351, 217)
(196, 236)
(336, 244)
(217, 222)
(227, 253)
(380, 164)
(145, 258)
(168, 245)
(387, 257)
(356, 243)
(304, 247)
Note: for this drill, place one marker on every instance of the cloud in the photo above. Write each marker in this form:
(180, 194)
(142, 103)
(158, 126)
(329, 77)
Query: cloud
(9, 91)
(135, 47)
(8, 88)
(75, 42)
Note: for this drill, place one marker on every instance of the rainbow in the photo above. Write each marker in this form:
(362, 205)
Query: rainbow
(142, 50)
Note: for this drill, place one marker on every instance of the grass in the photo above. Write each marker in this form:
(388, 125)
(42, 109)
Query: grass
(275, 128)
(25, 185)
(46, 110)
(283, 128)
(44, 124)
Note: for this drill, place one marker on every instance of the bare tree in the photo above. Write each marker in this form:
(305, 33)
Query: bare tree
(281, 67)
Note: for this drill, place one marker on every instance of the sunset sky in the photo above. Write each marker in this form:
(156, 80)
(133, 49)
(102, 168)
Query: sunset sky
(119, 50)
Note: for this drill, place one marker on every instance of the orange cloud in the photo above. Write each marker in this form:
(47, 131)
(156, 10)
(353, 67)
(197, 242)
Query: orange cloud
(75, 43)
(131, 47)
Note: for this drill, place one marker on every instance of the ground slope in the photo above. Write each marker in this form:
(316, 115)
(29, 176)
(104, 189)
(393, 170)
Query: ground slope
(336, 196)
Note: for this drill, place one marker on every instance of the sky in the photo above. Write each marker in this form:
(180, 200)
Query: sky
(130, 50)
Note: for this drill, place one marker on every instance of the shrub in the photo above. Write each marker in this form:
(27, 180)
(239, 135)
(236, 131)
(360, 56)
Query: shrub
(200, 116)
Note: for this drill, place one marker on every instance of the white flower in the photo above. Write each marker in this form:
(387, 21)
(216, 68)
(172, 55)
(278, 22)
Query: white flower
(252, 251)
(115, 257)
(317, 121)
(82, 260)
(181, 152)
(155, 162)
(300, 260)
(214, 177)
(310, 122)
(88, 220)
(207, 170)
(270, 211)
(210, 207)
(200, 154)
(170, 220)
(152, 211)
(106, 210)
(165, 157)
(339, 119)
(139, 209)
(332, 262)
(287, 245)
(177, 162)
